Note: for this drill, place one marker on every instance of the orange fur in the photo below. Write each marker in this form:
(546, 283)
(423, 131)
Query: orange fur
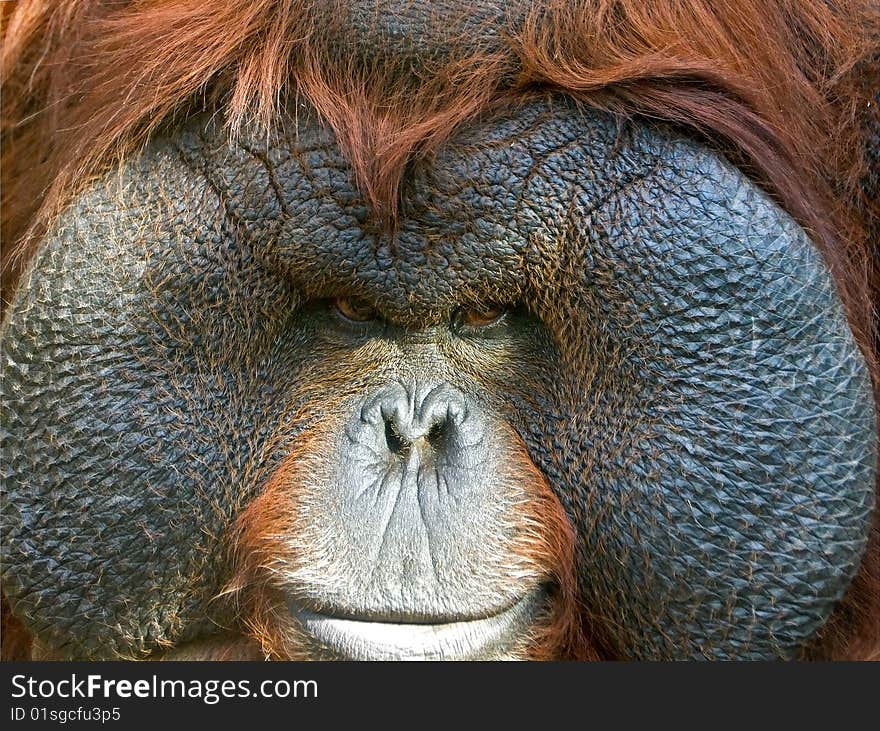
(264, 528)
(782, 87)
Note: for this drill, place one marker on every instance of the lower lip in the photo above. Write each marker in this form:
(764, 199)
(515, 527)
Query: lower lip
(491, 638)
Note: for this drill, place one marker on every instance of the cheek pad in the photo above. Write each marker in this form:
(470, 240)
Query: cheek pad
(732, 512)
(720, 474)
(130, 417)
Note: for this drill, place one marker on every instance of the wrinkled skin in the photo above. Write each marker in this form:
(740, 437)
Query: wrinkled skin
(678, 365)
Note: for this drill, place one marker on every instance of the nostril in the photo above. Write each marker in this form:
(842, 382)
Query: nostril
(396, 443)
(423, 424)
(437, 435)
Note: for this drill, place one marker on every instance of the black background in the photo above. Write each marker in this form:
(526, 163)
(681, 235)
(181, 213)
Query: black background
(663, 695)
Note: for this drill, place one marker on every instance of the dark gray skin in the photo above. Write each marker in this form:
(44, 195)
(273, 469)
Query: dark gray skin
(675, 359)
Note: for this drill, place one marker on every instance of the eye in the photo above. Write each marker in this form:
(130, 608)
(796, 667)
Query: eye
(480, 316)
(356, 309)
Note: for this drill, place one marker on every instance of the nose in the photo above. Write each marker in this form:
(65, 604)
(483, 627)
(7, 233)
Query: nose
(409, 419)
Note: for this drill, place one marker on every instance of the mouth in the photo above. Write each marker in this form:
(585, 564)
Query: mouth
(494, 637)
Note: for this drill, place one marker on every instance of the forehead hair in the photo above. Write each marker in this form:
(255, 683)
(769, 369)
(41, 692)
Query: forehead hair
(772, 85)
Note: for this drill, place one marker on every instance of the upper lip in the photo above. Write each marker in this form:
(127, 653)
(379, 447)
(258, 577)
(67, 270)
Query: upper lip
(390, 616)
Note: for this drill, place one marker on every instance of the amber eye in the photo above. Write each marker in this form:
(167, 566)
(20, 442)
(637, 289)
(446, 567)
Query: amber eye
(355, 308)
(481, 316)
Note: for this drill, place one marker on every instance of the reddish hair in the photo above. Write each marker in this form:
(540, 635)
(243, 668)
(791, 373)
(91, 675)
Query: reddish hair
(16, 642)
(781, 87)
(261, 545)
